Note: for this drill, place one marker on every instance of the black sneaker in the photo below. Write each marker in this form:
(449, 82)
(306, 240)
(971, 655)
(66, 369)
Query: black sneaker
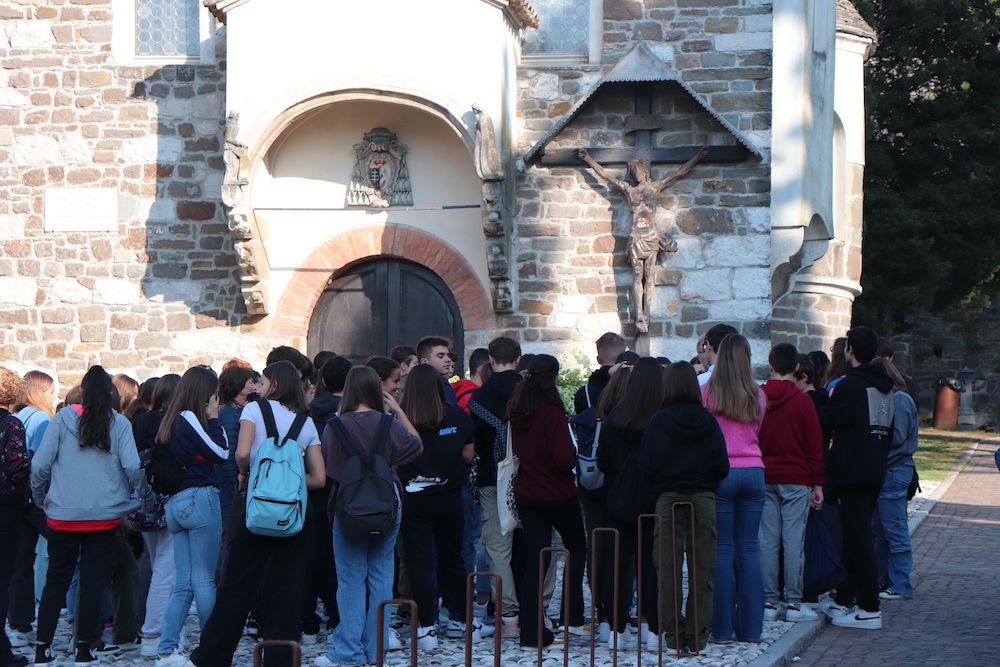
(44, 655)
(107, 649)
(253, 629)
(17, 661)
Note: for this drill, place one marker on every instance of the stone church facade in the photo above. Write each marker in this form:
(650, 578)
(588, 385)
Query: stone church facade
(184, 183)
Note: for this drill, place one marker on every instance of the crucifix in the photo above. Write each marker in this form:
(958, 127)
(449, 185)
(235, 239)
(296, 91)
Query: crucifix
(645, 238)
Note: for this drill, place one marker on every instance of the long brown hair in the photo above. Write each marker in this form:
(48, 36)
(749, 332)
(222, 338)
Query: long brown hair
(898, 383)
(36, 383)
(128, 390)
(680, 385)
(193, 393)
(286, 386)
(613, 392)
(362, 387)
(734, 393)
(838, 361)
(423, 400)
(538, 388)
(643, 397)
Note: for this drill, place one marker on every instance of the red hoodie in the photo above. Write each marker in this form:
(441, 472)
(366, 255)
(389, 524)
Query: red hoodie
(791, 440)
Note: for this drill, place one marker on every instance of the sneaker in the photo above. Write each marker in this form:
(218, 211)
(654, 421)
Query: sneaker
(456, 629)
(887, 594)
(86, 661)
(603, 631)
(772, 611)
(395, 642)
(44, 655)
(252, 629)
(795, 613)
(107, 649)
(557, 645)
(833, 610)
(653, 642)
(18, 661)
(427, 638)
(324, 661)
(310, 638)
(861, 619)
(578, 630)
(21, 639)
(132, 645)
(509, 626)
(626, 640)
(172, 660)
(149, 646)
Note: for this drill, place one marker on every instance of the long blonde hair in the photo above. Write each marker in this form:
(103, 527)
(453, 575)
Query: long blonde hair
(735, 395)
(36, 383)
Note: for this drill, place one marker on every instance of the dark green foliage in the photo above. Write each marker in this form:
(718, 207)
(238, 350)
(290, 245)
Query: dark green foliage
(932, 186)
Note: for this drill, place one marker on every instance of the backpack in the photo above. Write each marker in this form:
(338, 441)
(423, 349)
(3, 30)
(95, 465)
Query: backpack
(366, 504)
(588, 433)
(164, 474)
(276, 490)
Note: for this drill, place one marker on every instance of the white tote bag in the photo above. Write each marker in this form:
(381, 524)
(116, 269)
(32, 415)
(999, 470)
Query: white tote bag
(506, 504)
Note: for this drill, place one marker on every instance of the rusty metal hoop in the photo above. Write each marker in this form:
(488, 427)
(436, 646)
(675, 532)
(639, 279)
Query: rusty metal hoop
(497, 628)
(380, 627)
(258, 651)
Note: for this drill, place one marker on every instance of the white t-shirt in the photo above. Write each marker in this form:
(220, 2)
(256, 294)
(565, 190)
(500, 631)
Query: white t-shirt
(706, 376)
(283, 418)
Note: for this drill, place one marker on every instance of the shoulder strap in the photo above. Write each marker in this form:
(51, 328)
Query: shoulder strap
(296, 427)
(337, 424)
(382, 435)
(586, 392)
(466, 393)
(265, 411)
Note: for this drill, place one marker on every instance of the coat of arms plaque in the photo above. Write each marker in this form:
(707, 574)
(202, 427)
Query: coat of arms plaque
(380, 177)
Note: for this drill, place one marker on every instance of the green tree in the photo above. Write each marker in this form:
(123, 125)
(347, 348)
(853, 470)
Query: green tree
(932, 186)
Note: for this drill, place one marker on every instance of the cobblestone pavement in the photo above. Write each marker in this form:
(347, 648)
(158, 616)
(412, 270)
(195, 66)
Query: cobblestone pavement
(955, 617)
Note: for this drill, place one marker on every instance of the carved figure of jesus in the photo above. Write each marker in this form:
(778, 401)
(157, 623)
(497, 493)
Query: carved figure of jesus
(645, 238)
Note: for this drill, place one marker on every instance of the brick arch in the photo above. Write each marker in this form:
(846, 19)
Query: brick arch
(297, 302)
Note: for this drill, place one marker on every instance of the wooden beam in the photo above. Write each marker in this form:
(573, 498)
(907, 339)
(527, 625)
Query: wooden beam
(675, 154)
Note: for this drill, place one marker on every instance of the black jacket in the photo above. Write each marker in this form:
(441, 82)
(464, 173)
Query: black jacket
(859, 415)
(628, 494)
(493, 395)
(595, 385)
(322, 410)
(683, 451)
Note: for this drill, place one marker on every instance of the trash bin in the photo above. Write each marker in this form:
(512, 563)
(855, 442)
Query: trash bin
(946, 404)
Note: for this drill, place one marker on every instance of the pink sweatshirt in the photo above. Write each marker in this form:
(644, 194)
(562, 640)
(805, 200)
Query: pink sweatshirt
(741, 437)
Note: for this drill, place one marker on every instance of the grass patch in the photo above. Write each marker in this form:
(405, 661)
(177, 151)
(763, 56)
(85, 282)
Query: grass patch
(940, 451)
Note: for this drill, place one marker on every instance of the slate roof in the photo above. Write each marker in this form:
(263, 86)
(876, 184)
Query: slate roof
(850, 21)
(639, 64)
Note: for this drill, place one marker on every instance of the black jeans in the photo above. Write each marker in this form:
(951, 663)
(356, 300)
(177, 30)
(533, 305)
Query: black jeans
(95, 550)
(628, 537)
(434, 522)
(320, 570)
(10, 536)
(244, 574)
(856, 504)
(538, 518)
(22, 586)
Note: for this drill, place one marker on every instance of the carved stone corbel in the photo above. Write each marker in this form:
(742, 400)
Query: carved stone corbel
(490, 170)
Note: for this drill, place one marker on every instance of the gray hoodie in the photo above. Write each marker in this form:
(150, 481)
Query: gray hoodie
(73, 483)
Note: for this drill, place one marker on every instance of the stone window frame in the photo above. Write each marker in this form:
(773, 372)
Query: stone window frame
(123, 38)
(596, 41)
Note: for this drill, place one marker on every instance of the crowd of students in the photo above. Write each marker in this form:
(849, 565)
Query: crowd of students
(731, 468)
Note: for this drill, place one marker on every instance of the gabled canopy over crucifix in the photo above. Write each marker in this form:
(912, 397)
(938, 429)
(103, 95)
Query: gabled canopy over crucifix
(641, 67)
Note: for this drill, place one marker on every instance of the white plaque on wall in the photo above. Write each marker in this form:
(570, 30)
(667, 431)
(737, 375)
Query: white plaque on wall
(81, 209)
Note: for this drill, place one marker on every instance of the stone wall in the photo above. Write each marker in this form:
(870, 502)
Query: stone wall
(132, 300)
(573, 278)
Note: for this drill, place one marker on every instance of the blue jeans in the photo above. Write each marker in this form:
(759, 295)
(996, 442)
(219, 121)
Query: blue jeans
(365, 570)
(738, 584)
(194, 518)
(892, 535)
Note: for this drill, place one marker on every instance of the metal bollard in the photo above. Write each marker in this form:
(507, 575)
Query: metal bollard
(497, 628)
(659, 593)
(565, 602)
(614, 596)
(692, 581)
(380, 627)
(258, 651)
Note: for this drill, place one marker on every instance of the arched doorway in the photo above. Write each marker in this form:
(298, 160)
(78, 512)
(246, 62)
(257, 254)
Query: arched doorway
(382, 303)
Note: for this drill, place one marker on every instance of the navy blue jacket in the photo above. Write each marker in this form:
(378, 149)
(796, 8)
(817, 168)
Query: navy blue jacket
(190, 449)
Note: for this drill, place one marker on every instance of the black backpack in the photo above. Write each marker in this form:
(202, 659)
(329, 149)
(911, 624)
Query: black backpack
(366, 504)
(164, 474)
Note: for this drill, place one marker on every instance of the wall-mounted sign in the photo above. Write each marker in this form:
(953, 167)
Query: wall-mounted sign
(380, 175)
(81, 209)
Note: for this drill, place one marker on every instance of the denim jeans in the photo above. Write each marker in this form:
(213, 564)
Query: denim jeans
(194, 518)
(365, 571)
(739, 586)
(160, 546)
(892, 535)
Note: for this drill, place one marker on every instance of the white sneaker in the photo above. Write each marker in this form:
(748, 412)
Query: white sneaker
(456, 629)
(861, 619)
(308, 639)
(395, 642)
(603, 631)
(653, 642)
(795, 613)
(22, 639)
(772, 612)
(427, 638)
(149, 646)
(626, 640)
(324, 661)
(833, 610)
(172, 660)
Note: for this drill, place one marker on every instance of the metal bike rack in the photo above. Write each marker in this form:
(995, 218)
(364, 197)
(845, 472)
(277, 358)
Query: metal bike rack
(659, 593)
(565, 603)
(614, 601)
(258, 651)
(380, 627)
(497, 628)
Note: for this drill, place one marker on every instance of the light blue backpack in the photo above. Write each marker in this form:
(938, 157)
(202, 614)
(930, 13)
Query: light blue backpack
(276, 491)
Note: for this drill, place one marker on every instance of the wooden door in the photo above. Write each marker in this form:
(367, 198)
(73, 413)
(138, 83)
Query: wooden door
(383, 303)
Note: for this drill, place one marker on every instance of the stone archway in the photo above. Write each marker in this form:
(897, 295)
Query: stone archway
(297, 302)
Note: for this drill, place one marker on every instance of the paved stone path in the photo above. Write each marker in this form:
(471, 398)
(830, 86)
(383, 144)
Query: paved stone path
(955, 616)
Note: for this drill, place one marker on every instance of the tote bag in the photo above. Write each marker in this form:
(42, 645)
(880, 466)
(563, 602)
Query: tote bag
(506, 503)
